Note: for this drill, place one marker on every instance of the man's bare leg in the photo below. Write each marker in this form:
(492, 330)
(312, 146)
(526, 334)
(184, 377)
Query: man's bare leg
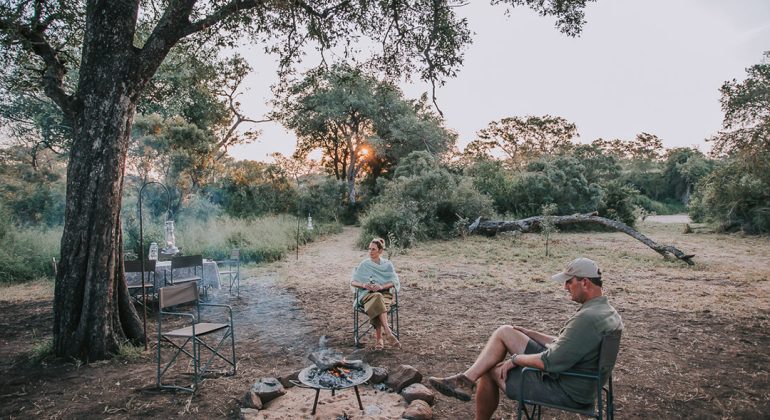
(487, 396)
(503, 341)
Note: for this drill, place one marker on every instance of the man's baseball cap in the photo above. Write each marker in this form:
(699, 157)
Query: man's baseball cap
(580, 268)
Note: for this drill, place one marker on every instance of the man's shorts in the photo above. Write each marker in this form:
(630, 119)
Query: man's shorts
(536, 386)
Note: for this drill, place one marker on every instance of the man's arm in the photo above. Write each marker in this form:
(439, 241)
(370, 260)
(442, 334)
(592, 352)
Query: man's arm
(538, 337)
(528, 360)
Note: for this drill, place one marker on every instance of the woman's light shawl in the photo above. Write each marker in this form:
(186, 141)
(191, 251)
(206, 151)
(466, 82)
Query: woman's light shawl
(381, 274)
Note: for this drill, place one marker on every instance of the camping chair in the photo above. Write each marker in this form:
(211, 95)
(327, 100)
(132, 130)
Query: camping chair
(135, 287)
(361, 330)
(232, 268)
(193, 265)
(602, 378)
(196, 334)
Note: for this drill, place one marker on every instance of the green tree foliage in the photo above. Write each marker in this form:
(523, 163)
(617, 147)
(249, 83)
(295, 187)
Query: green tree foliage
(735, 194)
(256, 188)
(558, 180)
(599, 166)
(321, 198)
(746, 125)
(423, 201)
(640, 163)
(116, 64)
(683, 168)
(547, 225)
(493, 179)
(361, 124)
(33, 194)
(733, 198)
(524, 139)
(618, 202)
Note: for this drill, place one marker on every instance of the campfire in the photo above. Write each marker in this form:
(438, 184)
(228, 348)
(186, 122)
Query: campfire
(331, 371)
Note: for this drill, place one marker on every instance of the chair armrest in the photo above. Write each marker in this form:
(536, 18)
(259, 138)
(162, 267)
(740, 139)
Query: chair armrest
(575, 374)
(219, 305)
(182, 314)
(178, 314)
(587, 375)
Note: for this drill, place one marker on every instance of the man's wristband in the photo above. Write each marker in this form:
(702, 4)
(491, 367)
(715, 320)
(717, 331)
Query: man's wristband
(513, 358)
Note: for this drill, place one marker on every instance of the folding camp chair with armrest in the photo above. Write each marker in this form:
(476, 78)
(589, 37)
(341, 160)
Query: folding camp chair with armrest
(150, 284)
(602, 379)
(232, 269)
(358, 310)
(196, 334)
(193, 266)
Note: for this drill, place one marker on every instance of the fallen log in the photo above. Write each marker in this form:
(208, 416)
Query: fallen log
(532, 224)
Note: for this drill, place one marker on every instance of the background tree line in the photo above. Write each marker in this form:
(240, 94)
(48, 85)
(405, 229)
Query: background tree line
(409, 181)
(118, 93)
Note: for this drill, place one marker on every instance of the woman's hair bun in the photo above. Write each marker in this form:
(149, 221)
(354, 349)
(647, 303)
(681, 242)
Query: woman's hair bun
(380, 242)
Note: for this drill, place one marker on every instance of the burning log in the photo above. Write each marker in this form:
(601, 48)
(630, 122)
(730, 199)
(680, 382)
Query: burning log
(326, 360)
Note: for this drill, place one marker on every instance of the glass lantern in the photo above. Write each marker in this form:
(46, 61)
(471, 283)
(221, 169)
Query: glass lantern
(170, 248)
(153, 252)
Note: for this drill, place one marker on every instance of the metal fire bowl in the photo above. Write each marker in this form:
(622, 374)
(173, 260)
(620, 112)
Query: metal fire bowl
(304, 377)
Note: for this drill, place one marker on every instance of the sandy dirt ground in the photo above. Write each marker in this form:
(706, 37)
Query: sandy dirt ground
(696, 342)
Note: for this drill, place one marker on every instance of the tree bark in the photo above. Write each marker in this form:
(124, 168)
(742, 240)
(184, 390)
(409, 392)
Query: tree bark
(93, 314)
(532, 224)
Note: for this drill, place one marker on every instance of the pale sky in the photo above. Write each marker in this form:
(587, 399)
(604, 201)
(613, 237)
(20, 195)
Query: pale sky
(650, 66)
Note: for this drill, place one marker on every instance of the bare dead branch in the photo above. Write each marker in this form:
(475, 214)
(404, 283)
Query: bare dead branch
(532, 224)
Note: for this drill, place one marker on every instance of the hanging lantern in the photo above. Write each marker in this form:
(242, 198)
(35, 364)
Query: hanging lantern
(170, 248)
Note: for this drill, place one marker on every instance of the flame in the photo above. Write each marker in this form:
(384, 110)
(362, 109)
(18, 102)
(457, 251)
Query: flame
(340, 372)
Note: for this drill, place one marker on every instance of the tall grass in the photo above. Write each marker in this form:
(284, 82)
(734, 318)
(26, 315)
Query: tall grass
(263, 239)
(27, 253)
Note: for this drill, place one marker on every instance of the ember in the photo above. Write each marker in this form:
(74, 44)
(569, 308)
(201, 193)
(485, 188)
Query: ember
(336, 377)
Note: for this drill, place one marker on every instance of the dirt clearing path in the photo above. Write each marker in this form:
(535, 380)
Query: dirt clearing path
(696, 343)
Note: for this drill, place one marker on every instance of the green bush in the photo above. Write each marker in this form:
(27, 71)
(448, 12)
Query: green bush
(395, 219)
(734, 196)
(492, 179)
(425, 201)
(618, 202)
(557, 180)
(322, 199)
(198, 209)
(668, 206)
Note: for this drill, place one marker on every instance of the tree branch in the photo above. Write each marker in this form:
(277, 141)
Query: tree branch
(32, 38)
(531, 224)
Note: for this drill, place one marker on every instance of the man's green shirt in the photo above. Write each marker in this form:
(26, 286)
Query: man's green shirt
(577, 346)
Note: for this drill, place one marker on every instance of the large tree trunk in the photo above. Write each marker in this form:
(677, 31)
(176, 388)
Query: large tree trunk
(532, 224)
(92, 310)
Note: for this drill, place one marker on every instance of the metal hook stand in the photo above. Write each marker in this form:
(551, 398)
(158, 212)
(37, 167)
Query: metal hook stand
(141, 249)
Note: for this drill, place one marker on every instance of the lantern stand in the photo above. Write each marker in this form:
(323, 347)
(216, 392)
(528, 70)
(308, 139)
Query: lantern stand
(141, 248)
(299, 213)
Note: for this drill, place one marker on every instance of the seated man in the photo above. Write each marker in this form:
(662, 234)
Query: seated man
(575, 348)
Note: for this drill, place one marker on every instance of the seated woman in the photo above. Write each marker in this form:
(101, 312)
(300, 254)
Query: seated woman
(373, 280)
